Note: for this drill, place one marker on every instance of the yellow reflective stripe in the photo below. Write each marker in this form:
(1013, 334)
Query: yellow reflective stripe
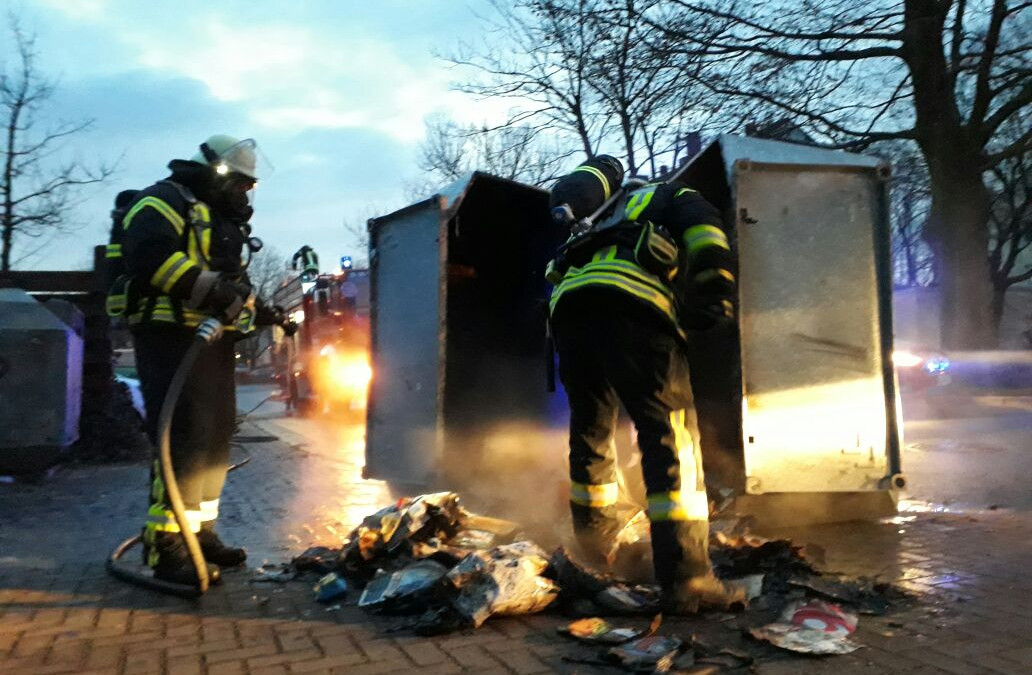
(623, 267)
(710, 275)
(113, 251)
(171, 270)
(595, 496)
(683, 505)
(191, 245)
(201, 213)
(161, 519)
(638, 201)
(682, 437)
(701, 236)
(621, 282)
(115, 304)
(606, 189)
(683, 191)
(605, 253)
(161, 207)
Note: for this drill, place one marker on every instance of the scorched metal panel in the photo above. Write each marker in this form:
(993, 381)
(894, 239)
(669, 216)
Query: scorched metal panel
(403, 443)
(814, 414)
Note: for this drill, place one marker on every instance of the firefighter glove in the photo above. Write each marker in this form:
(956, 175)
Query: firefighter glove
(227, 299)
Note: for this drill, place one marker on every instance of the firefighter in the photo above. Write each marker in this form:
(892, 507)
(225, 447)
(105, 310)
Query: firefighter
(113, 252)
(309, 263)
(625, 296)
(182, 241)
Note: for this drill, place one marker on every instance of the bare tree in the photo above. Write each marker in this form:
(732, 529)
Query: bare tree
(913, 263)
(451, 150)
(541, 62)
(582, 72)
(1010, 222)
(268, 270)
(37, 187)
(946, 74)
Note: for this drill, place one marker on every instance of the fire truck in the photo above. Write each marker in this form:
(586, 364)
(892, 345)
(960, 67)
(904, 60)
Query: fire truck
(324, 368)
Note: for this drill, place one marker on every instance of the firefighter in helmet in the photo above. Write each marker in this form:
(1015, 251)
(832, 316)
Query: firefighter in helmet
(309, 261)
(182, 248)
(626, 293)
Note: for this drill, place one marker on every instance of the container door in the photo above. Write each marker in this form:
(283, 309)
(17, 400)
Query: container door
(403, 438)
(814, 399)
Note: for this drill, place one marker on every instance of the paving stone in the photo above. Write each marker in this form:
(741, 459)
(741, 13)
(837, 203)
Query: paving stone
(62, 616)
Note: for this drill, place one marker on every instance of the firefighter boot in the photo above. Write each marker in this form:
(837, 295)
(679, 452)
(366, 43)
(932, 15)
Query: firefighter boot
(170, 560)
(217, 552)
(596, 530)
(700, 593)
(680, 551)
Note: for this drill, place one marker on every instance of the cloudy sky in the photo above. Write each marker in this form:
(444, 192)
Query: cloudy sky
(334, 91)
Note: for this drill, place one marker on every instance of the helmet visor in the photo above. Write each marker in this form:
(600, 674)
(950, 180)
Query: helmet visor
(244, 158)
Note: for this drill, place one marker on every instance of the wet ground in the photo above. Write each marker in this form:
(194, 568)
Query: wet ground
(60, 613)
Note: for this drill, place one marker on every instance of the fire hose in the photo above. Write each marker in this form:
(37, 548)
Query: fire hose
(207, 332)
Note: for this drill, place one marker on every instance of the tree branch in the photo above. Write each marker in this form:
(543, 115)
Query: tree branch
(1016, 103)
(1019, 147)
(983, 94)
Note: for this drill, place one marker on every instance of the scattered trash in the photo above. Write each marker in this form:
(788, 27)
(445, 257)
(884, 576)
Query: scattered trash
(725, 659)
(655, 653)
(404, 591)
(811, 627)
(600, 631)
(396, 532)
(449, 569)
(505, 581)
(685, 661)
(631, 557)
(620, 598)
(576, 582)
(473, 539)
(317, 559)
(740, 556)
(503, 531)
(869, 596)
(273, 573)
(752, 585)
(330, 588)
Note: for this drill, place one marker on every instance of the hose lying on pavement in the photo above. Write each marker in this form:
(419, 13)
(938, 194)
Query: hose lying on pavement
(209, 331)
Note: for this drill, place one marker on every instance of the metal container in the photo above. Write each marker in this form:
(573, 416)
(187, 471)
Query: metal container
(798, 407)
(797, 404)
(40, 383)
(458, 330)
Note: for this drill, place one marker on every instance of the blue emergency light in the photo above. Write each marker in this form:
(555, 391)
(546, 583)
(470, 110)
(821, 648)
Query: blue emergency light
(345, 262)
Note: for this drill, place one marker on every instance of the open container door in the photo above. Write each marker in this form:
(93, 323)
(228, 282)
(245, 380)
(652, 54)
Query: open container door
(814, 398)
(797, 405)
(407, 262)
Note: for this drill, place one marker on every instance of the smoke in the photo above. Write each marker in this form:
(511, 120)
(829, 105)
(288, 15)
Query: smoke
(517, 471)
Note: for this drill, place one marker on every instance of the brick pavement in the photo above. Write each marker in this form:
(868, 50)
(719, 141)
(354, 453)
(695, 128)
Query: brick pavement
(60, 613)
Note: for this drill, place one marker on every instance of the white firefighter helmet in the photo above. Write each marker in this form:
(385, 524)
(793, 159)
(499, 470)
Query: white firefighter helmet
(232, 155)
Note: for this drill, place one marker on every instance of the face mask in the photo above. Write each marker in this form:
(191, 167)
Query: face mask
(232, 198)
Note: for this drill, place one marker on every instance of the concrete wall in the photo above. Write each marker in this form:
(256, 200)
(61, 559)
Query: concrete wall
(916, 314)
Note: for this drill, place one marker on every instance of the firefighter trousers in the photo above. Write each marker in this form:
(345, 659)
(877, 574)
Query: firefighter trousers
(202, 426)
(615, 350)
